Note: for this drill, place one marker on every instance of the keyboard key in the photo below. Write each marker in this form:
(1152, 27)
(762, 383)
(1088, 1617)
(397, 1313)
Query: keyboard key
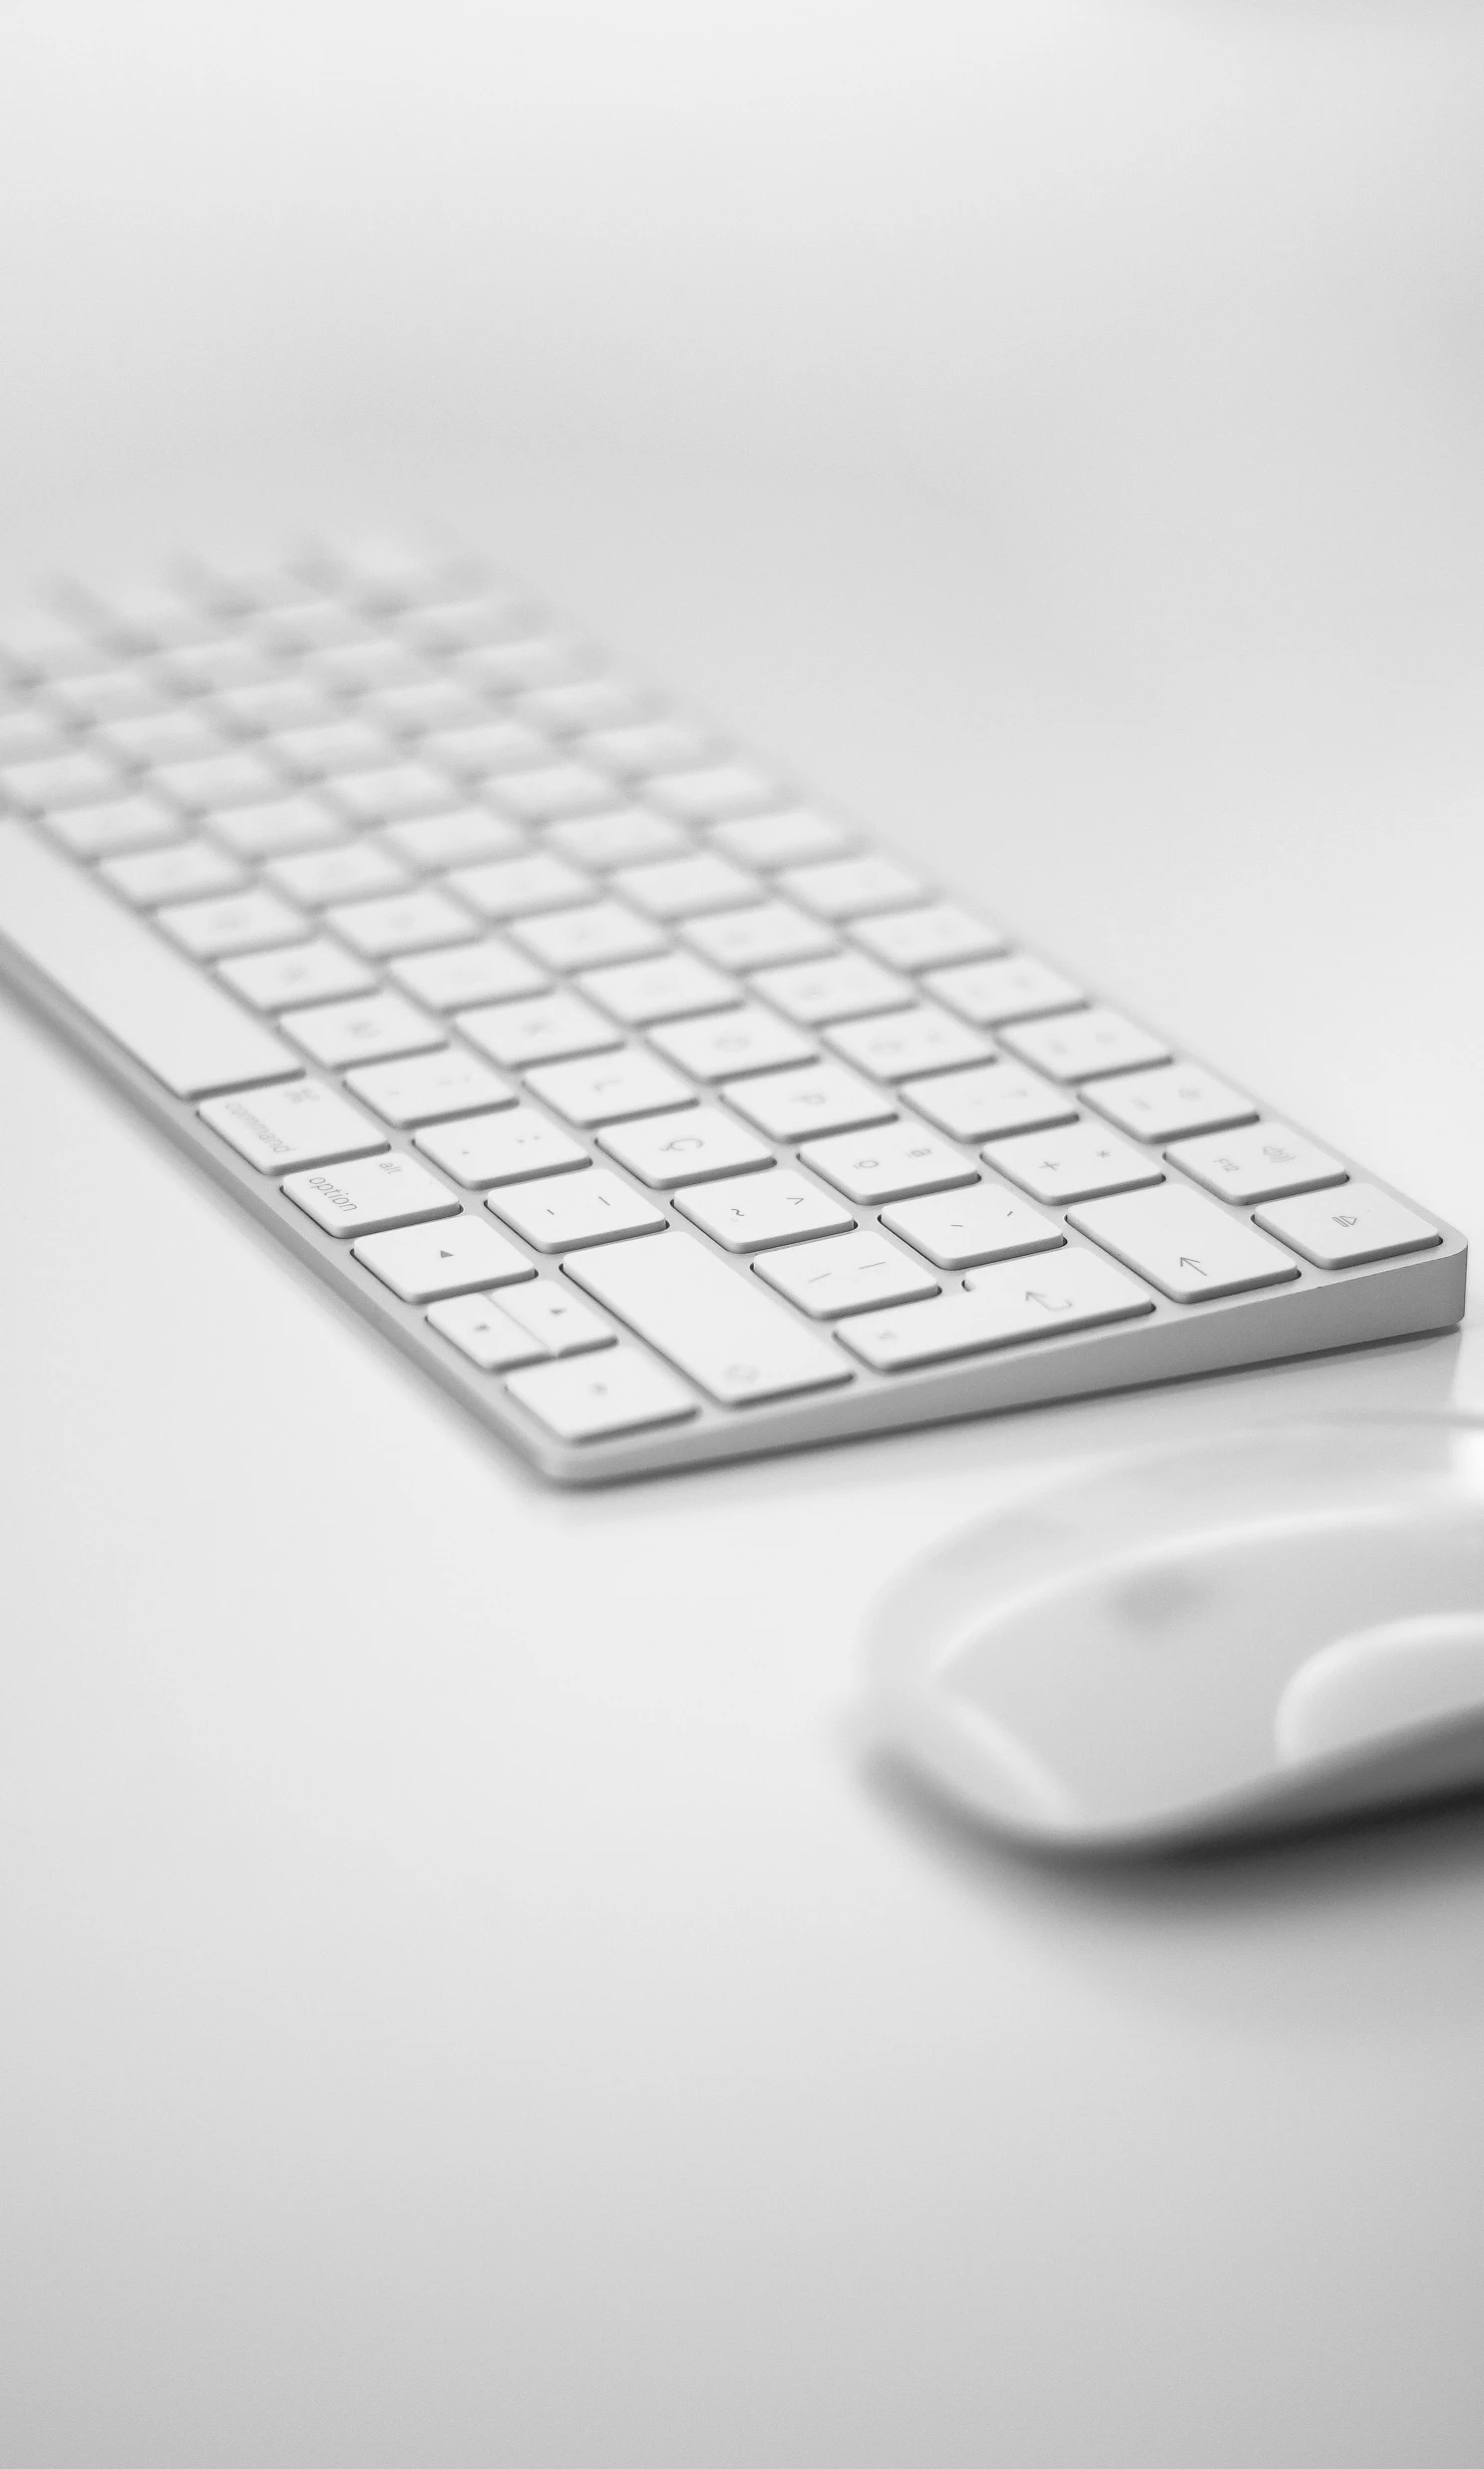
(424, 1263)
(278, 703)
(148, 618)
(687, 887)
(464, 624)
(545, 1029)
(485, 747)
(1186, 1246)
(484, 1332)
(642, 992)
(357, 870)
(215, 668)
(817, 992)
(572, 1211)
(1081, 1163)
(237, 779)
(721, 1329)
(371, 662)
(177, 1023)
(893, 1162)
(750, 1213)
(556, 1320)
(534, 660)
(482, 1150)
(772, 841)
(469, 973)
(366, 1029)
(1266, 1163)
(721, 1042)
(1340, 1230)
(1000, 1307)
(520, 886)
(423, 707)
(239, 593)
(612, 1088)
(430, 1088)
(668, 1151)
(393, 794)
(116, 828)
(465, 836)
(963, 1230)
(641, 749)
(31, 736)
(237, 922)
(159, 737)
(364, 1198)
(800, 1105)
(299, 1123)
(278, 827)
(985, 1103)
(716, 794)
(601, 931)
(851, 887)
(72, 779)
(926, 938)
(897, 1045)
(623, 836)
(403, 922)
(1171, 1099)
(42, 646)
(1079, 1046)
(112, 694)
(313, 626)
(333, 747)
(376, 667)
(590, 703)
(300, 973)
(990, 993)
(621, 1390)
(763, 936)
(858, 1272)
(553, 794)
(189, 871)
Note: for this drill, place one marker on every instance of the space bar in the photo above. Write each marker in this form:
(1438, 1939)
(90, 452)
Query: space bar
(160, 1009)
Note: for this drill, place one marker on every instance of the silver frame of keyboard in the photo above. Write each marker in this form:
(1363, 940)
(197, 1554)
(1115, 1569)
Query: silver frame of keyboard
(1319, 1312)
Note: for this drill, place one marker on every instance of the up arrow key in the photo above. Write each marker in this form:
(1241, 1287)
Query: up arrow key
(426, 1264)
(1190, 1248)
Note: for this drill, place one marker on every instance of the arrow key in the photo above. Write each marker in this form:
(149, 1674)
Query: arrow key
(453, 1257)
(1188, 1247)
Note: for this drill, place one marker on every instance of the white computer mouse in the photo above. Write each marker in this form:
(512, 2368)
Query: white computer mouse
(1256, 1633)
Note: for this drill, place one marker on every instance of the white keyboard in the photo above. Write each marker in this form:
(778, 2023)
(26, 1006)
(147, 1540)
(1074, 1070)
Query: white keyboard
(647, 1107)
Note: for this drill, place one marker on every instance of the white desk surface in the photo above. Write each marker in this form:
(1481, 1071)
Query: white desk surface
(470, 1998)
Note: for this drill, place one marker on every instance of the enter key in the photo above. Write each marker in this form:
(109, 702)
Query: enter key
(1189, 1248)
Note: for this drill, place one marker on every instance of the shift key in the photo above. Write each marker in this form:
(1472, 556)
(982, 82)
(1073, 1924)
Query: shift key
(1189, 1248)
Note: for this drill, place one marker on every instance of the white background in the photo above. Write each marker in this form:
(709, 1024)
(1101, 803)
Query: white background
(469, 1998)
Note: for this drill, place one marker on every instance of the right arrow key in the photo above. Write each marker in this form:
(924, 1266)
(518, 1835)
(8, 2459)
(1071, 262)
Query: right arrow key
(1188, 1247)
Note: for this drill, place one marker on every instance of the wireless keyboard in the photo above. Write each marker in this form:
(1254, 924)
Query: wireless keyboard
(655, 1114)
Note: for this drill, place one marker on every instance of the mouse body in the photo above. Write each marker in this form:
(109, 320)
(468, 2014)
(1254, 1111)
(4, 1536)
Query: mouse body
(1250, 1634)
